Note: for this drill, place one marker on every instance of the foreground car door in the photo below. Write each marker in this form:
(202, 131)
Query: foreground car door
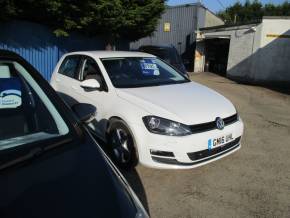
(50, 166)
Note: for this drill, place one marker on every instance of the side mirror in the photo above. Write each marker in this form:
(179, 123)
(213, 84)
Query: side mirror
(90, 84)
(85, 112)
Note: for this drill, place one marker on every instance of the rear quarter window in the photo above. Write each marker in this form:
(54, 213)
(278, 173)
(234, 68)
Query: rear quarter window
(70, 66)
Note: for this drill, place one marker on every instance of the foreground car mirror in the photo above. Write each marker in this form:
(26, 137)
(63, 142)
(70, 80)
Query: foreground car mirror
(85, 112)
(90, 84)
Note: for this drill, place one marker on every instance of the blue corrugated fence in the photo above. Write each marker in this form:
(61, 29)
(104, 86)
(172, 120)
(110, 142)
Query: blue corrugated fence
(38, 45)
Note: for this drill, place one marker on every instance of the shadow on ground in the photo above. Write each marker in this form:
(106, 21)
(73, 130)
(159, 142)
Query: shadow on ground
(278, 87)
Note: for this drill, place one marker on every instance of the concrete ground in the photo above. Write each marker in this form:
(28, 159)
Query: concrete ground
(253, 182)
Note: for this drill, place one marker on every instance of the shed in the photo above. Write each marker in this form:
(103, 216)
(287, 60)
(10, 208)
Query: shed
(177, 27)
(256, 52)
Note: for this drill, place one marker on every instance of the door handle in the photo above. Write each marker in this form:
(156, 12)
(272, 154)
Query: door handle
(73, 87)
(57, 80)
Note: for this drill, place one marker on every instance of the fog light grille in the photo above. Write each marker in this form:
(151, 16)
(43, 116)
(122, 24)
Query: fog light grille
(161, 153)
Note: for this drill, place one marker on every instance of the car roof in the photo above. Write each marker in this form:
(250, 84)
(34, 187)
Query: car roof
(111, 54)
(157, 46)
(8, 54)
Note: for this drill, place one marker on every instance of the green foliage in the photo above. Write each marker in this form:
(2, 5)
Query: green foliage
(130, 19)
(253, 11)
(7, 9)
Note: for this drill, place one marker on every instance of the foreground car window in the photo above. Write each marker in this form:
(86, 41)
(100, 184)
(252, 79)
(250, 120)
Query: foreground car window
(132, 72)
(26, 113)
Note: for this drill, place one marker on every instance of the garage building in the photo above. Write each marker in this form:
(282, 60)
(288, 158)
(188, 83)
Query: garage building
(257, 52)
(178, 26)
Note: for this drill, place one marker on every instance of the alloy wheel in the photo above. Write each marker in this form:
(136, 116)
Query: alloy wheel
(121, 147)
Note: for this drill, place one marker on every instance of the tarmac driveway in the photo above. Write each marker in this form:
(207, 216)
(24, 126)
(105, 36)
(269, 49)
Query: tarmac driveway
(253, 182)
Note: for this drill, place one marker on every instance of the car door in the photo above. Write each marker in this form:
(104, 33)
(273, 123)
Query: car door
(66, 79)
(98, 97)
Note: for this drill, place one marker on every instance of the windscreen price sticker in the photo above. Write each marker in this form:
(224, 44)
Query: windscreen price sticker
(10, 93)
(149, 68)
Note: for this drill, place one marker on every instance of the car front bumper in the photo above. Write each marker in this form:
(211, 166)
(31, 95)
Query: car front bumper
(171, 152)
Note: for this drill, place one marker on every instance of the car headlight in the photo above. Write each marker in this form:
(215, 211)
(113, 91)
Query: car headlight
(238, 115)
(163, 126)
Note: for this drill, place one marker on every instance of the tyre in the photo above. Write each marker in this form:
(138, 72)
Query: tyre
(122, 145)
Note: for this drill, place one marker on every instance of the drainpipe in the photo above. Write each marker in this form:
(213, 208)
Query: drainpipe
(254, 35)
(254, 29)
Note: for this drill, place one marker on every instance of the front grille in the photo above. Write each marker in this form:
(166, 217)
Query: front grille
(207, 153)
(231, 119)
(198, 128)
(201, 156)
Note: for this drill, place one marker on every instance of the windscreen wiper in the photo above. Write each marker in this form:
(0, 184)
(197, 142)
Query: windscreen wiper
(32, 153)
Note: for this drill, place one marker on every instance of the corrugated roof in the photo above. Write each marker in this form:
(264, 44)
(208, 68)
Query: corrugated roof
(277, 17)
(231, 25)
(244, 23)
(183, 5)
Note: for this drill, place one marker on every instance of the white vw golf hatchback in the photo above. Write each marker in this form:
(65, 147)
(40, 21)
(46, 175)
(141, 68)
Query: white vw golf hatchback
(147, 111)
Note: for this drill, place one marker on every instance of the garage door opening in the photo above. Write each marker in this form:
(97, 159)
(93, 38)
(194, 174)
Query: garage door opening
(216, 55)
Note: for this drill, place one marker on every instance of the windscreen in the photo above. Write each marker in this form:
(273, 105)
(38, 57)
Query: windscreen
(26, 113)
(168, 55)
(129, 72)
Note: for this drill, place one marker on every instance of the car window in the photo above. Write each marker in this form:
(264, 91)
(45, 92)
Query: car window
(70, 66)
(26, 113)
(129, 72)
(167, 54)
(91, 70)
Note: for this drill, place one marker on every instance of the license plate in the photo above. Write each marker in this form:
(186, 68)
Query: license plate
(219, 141)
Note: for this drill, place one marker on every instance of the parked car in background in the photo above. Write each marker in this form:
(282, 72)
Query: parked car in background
(147, 111)
(50, 166)
(166, 53)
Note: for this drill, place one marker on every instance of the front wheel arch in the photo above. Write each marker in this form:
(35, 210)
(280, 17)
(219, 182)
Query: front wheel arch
(111, 121)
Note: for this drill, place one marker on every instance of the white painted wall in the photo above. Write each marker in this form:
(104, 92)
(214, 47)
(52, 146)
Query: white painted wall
(258, 52)
(241, 47)
(273, 56)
